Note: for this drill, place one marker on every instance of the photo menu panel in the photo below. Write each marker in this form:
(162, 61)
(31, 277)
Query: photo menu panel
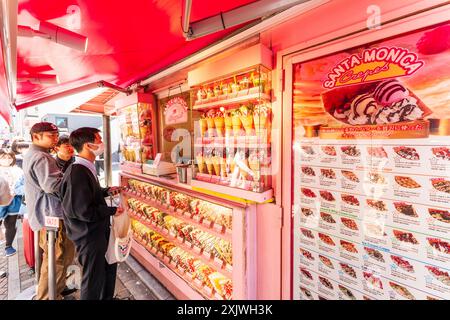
(371, 173)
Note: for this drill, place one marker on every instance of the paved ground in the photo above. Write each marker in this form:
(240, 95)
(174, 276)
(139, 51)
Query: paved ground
(17, 281)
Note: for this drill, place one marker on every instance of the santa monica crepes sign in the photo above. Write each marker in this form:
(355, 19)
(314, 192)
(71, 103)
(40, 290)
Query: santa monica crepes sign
(373, 64)
(176, 111)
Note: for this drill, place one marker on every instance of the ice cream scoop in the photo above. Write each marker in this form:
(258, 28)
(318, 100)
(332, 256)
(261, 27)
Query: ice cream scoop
(361, 109)
(390, 91)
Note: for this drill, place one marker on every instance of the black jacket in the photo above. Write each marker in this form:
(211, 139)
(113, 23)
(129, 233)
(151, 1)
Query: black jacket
(86, 215)
(62, 164)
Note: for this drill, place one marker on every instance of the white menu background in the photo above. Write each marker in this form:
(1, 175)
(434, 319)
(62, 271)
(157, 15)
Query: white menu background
(371, 219)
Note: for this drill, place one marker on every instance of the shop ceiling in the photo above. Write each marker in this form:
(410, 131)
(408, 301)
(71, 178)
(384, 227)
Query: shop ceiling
(126, 42)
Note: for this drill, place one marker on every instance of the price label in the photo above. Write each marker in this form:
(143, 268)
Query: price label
(218, 262)
(197, 250)
(157, 160)
(207, 254)
(229, 268)
(181, 239)
(51, 222)
(198, 283)
(219, 227)
(187, 214)
(208, 291)
(189, 244)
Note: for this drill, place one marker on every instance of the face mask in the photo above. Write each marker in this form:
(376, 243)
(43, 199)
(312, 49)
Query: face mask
(100, 149)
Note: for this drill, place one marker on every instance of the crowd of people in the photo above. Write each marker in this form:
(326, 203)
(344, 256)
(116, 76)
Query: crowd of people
(45, 178)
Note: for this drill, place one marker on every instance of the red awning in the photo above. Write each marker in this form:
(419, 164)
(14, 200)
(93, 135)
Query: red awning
(128, 40)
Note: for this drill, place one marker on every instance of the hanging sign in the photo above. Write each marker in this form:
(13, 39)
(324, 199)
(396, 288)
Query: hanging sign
(176, 111)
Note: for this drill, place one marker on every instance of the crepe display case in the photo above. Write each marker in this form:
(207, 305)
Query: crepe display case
(191, 244)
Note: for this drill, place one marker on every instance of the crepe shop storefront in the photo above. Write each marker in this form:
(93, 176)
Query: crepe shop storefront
(370, 177)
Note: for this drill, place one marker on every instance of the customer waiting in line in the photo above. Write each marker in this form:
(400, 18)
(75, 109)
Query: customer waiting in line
(9, 212)
(5, 192)
(64, 153)
(19, 147)
(42, 184)
(87, 215)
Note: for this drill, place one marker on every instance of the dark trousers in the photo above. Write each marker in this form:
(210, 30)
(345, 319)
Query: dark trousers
(10, 229)
(98, 277)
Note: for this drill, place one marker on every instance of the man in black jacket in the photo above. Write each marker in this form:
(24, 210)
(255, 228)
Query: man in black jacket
(87, 217)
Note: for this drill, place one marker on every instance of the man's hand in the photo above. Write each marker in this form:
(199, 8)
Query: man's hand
(114, 191)
(119, 211)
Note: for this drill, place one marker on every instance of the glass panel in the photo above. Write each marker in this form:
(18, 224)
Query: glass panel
(130, 144)
(190, 236)
(147, 135)
(371, 179)
(232, 124)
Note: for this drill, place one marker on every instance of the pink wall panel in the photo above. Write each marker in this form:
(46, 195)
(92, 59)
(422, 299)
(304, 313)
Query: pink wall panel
(269, 251)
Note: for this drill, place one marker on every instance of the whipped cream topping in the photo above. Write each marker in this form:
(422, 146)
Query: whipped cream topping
(404, 110)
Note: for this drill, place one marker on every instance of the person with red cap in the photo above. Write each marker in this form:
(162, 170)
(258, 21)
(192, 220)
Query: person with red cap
(42, 193)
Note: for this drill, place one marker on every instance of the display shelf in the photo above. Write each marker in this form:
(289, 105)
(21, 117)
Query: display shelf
(185, 288)
(218, 264)
(211, 227)
(132, 167)
(235, 194)
(258, 96)
(245, 142)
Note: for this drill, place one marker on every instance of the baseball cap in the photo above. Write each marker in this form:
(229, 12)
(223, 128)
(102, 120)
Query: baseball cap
(43, 127)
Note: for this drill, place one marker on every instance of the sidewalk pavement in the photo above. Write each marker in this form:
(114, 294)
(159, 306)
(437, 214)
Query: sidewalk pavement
(18, 281)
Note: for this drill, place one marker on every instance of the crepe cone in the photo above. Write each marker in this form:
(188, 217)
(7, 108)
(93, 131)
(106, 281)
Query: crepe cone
(211, 126)
(209, 165)
(244, 173)
(247, 121)
(203, 126)
(232, 165)
(219, 123)
(216, 164)
(260, 123)
(236, 121)
(201, 164)
(254, 165)
(223, 169)
(228, 126)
